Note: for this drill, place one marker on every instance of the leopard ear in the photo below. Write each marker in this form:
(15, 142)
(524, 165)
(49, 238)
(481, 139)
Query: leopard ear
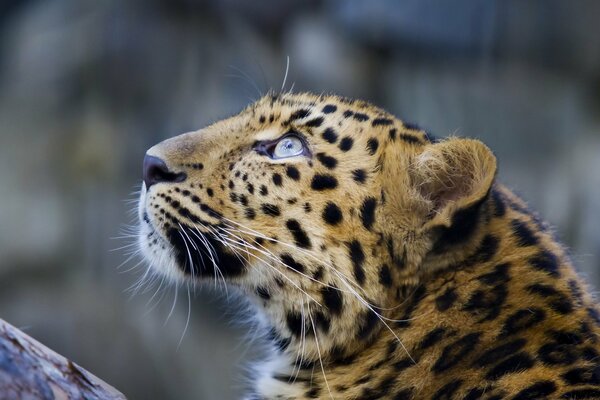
(453, 177)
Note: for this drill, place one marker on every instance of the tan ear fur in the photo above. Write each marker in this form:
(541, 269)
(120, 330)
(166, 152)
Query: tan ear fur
(452, 175)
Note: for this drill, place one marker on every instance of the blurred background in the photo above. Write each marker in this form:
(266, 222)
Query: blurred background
(86, 86)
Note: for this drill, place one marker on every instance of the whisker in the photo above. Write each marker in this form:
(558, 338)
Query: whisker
(287, 68)
(319, 352)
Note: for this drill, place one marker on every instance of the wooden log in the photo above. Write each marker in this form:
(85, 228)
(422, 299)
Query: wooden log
(30, 370)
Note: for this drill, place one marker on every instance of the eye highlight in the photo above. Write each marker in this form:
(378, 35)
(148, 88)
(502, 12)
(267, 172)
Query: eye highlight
(289, 145)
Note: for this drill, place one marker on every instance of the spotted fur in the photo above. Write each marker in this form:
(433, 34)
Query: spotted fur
(388, 265)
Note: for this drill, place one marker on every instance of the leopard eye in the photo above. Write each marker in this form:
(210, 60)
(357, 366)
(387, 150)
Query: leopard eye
(288, 146)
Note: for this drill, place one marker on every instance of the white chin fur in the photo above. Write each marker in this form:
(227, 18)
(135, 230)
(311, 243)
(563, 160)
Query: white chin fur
(161, 261)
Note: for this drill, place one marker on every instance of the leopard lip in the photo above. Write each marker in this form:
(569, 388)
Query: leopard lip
(201, 255)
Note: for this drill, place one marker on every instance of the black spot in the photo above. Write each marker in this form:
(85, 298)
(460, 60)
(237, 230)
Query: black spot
(322, 321)
(328, 161)
(333, 300)
(463, 225)
(486, 250)
(556, 300)
(536, 391)
(263, 293)
(210, 211)
(358, 258)
(299, 114)
(524, 235)
(313, 393)
(243, 200)
(294, 323)
(249, 186)
(582, 394)
(517, 362)
(330, 136)
(263, 190)
(385, 277)
(293, 172)
(307, 207)
(348, 113)
(545, 261)
(589, 354)
(323, 182)
(392, 134)
(359, 175)
(262, 119)
(314, 123)
(499, 275)
(318, 273)
(576, 293)
(346, 143)
(444, 301)
(329, 108)
(583, 376)
(487, 303)
(372, 145)
(360, 117)
(409, 138)
(332, 214)
(475, 394)
(448, 390)
(277, 180)
(404, 394)
(499, 206)
(250, 213)
(367, 325)
(290, 262)
(367, 212)
(500, 352)
(300, 237)
(382, 122)
(270, 209)
(432, 338)
(557, 354)
(403, 364)
(456, 351)
(522, 319)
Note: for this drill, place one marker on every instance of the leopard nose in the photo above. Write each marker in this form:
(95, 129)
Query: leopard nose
(156, 171)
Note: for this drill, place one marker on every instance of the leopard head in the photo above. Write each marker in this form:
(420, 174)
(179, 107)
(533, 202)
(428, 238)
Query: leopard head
(325, 211)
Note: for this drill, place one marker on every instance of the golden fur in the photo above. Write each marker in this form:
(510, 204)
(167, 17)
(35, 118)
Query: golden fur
(386, 264)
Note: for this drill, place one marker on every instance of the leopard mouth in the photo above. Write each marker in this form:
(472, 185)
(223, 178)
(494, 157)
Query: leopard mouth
(201, 254)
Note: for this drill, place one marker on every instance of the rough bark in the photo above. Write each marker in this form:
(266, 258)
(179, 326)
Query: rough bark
(30, 370)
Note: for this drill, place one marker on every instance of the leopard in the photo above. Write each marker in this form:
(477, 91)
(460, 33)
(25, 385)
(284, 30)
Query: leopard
(380, 261)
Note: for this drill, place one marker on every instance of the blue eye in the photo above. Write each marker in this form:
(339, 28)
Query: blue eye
(288, 146)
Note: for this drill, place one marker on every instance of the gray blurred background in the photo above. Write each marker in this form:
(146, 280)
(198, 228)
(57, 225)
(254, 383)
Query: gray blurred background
(86, 86)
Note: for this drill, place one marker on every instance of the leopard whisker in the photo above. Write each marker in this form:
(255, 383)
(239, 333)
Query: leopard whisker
(273, 268)
(319, 353)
